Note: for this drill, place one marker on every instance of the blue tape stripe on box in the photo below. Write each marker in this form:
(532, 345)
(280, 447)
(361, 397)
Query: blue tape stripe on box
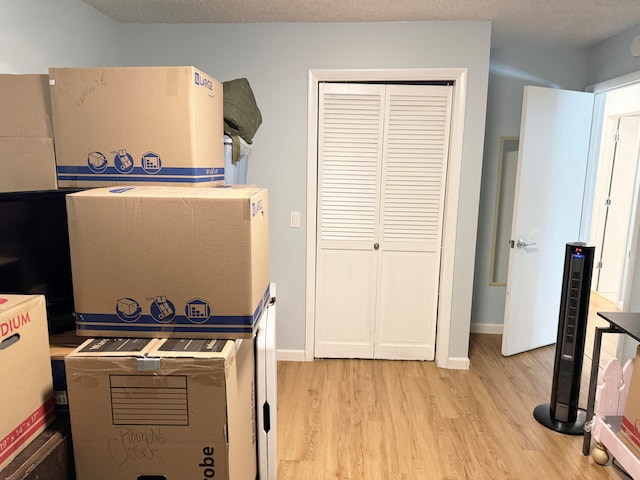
(148, 178)
(177, 320)
(185, 171)
(214, 324)
(165, 328)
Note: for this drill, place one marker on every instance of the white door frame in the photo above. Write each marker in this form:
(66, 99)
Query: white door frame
(625, 346)
(600, 89)
(609, 154)
(459, 78)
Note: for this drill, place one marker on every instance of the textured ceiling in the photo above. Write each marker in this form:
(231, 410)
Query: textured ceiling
(515, 23)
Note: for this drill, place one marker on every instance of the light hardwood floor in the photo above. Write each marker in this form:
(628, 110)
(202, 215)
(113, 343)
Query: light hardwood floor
(391, 420)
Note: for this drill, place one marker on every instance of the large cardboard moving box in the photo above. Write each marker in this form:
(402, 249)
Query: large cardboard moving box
(28, 405)
(631, 417)
(169, 261)
(27, 158)
(136, 126)
(174, 409)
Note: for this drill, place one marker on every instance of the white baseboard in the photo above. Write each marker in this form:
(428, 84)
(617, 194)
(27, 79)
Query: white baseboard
(453, 363)
(290, 355)
(457, 363)
(490, 328)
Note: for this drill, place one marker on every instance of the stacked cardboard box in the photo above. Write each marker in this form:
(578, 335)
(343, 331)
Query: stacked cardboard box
(168, 261)
(27, 163)
(25, 373)
(158, 271)
(111, 126)
(184, 265)
(27, 158)
(145, 408)
(150, 259)
(137, 126)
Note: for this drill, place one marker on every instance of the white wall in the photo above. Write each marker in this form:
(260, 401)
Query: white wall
(612, 58)
(276, 58)
(38, 34)
(510, 70)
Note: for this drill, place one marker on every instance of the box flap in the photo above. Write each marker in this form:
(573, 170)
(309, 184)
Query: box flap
(114, 347)
(161, 191)
(193, 348)
(9, 301)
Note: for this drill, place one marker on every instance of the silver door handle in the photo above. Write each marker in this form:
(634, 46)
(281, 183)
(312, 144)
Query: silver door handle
(522, 244)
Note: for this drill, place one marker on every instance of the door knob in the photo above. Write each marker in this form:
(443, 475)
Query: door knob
(376, 246)
(522, 244)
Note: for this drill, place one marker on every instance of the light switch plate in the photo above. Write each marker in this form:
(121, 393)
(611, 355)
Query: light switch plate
(635, 46)
(294, 221)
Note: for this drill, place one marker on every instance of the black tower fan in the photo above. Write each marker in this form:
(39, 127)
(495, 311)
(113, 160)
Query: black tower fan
(562, 414)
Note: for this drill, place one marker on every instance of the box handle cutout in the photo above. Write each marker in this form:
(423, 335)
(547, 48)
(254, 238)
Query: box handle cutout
(266, 411)
(7, 342)
(152, 477)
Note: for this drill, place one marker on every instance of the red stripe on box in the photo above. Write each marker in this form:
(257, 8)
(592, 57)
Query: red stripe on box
(631, 431)
(24, 432)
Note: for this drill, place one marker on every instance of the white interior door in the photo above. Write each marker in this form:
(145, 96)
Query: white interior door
(550, 180)
(382, 152)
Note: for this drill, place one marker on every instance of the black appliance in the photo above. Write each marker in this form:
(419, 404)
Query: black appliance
(34, 251)
(562, 413)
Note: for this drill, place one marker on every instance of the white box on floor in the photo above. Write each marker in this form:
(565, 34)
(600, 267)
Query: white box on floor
(267, 392)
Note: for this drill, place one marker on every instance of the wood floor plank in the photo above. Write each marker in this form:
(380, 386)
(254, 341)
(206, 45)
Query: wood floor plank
(403, 420)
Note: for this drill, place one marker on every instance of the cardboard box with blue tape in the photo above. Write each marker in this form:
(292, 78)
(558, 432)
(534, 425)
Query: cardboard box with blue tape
(169, 261)
(137, 126)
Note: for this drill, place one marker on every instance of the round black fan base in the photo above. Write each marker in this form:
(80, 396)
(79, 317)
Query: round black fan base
(542, 413)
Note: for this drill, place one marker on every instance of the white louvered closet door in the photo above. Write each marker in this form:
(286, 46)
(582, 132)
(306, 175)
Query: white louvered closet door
(382, 152)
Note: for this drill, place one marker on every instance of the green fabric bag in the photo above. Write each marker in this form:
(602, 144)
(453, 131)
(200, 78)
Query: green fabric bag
(242, 116)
